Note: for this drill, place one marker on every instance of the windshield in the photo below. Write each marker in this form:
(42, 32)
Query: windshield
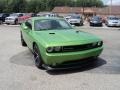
(51, 24)
(75, 17)
(114, 18)
(14, 14)
(96, 18)
(1, 15)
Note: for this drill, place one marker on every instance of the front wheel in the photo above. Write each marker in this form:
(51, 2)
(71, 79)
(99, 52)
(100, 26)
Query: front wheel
(16, 22)
(37, 57)
(1, 22)
(22, 41)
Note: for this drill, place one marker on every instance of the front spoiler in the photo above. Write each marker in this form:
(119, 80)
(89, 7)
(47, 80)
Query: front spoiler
(72, 65)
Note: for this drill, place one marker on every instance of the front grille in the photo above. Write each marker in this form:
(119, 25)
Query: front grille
(80, 47)
(75, 48)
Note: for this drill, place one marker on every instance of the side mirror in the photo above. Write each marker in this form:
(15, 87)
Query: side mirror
(25, 27)
(28, 25)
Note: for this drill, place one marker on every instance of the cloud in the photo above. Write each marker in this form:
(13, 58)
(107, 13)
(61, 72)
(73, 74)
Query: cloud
(114, 2)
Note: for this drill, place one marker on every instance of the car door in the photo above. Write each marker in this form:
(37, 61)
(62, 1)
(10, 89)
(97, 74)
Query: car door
(4, 16)
(27, 34)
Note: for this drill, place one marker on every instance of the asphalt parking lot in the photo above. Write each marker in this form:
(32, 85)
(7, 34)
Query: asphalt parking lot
(18, 72)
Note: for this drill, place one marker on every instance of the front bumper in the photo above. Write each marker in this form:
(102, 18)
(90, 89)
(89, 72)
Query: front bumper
(54, 59)
(10, 21)
(71, 65)
(74, 22)
(95, 24)
(114, 25)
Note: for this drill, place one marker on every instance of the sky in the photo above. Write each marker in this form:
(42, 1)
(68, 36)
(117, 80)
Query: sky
(114, 2)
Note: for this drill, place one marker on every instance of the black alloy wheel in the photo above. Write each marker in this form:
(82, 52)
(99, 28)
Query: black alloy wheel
(16, 22)
(22, 41)
(1, 22)
(37, 57)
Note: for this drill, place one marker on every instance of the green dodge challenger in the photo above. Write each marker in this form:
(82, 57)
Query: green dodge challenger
(54, 42)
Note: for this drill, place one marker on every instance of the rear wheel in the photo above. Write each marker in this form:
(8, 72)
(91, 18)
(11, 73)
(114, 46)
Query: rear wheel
(16, 22)
(8, 23)
(1, 22)
(37, 57)
(22, 41)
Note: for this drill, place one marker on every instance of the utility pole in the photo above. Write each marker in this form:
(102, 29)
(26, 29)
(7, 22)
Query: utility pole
(83, 7)
(111, 7)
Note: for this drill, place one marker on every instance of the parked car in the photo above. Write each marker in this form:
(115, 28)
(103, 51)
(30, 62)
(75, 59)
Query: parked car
(67, 17)
(2, 17)
(96, 21)
(54, 42)
(25, 17)
(13, 18)
(48, 14)
(113, 21)
(76, 20)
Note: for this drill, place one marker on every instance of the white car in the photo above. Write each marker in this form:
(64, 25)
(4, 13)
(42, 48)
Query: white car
(75, 20)
(48, 15)
(113, 21)
(13, 18)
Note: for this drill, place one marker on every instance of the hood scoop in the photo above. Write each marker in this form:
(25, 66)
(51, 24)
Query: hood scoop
(51, 33)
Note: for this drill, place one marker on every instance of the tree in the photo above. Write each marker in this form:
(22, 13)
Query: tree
(2, 5)
(89, 3)
(44, 5)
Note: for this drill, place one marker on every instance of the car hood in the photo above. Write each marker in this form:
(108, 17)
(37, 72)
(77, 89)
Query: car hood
(65, 37)
(96, 21)
(72, 19)
(13, 17)
(113, 21)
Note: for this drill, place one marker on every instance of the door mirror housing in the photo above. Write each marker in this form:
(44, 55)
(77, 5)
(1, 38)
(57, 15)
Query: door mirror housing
(28, 25)
(25, 27)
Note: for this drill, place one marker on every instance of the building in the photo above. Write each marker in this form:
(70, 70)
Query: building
(88, 11)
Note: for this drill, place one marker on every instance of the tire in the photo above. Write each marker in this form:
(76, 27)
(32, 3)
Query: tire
(90, 24)
(101, 25)
(95, 58)
(1, 22)
(37, 57)
(22, 41)
(81, 23)
(8, 23)
(78, 24)
(16, 22)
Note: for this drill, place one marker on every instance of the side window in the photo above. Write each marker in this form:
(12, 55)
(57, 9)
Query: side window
(28, 23)
(20, 15)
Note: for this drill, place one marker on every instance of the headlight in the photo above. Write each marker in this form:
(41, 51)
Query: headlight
(50, 49)
(54, 49)
(100, 43)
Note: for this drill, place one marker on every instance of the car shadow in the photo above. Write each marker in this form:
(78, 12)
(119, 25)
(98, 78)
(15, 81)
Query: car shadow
(24, 58)
(92, 65)
(100, 66)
